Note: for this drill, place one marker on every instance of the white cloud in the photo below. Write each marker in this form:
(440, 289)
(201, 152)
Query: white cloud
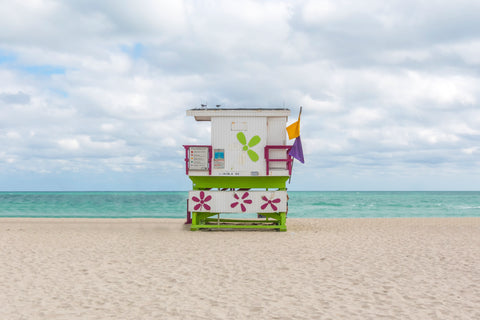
(471, 151)
(69, 144)
(102, 87)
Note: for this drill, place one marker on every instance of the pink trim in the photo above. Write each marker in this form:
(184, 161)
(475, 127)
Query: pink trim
(189, 216)
(288, 160)
(187, 147)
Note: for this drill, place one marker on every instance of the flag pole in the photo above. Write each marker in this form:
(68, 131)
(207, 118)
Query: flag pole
(290, 178)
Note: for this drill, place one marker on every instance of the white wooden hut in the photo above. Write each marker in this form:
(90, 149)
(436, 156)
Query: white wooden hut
(244, 169)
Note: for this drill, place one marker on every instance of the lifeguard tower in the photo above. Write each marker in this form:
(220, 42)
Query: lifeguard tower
(243, 170)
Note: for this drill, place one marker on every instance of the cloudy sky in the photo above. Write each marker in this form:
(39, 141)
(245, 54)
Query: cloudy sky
(93, 94)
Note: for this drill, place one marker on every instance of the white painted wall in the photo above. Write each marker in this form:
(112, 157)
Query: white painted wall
(237, 161)
(268, 124)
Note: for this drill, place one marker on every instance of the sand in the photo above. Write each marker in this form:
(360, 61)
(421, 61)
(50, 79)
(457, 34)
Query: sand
(320, 269)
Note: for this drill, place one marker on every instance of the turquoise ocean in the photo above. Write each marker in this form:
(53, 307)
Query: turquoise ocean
(302, 204)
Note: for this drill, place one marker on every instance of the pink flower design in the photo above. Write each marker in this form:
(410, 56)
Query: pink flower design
(244, 200)
(270, 202)
(201, 202)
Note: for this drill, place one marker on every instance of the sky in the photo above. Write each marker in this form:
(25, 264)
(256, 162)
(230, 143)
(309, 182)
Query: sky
(93, 94)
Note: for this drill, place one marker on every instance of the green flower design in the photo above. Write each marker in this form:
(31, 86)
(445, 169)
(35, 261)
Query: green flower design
(253, 142)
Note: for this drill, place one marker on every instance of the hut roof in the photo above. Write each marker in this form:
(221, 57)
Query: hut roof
(206, 114)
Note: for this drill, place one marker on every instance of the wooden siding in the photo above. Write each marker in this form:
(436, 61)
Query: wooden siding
(237, 201)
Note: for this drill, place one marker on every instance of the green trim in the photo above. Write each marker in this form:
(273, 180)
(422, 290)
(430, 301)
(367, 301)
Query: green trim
(238, 220)
(207, 182)
(203, 220)
(233, 226)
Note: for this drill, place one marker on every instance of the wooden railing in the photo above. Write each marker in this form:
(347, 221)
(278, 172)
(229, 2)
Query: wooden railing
(190, 155)
(288, 159)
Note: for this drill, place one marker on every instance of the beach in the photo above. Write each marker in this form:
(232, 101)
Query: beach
(391, 268)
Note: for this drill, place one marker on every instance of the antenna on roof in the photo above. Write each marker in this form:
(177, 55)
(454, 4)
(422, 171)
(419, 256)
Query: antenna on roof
(203, 105)
(218, 105)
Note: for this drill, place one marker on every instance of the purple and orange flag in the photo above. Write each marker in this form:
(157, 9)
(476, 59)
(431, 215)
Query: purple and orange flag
(293, 131)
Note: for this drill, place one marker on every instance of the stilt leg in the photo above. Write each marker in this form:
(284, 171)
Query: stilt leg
(283, 221)
(194, 222)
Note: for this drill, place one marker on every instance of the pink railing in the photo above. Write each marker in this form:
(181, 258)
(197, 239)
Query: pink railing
(288, 159)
